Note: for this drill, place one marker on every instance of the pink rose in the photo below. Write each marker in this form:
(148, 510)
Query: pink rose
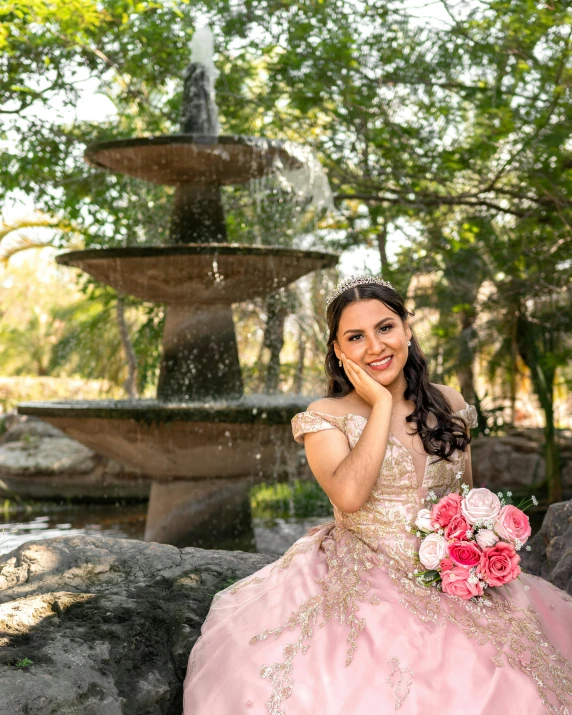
(486, 538)
(457, 528)
(480, 505)
(512, 524)
(455, 582)
(499, 564)
(446, 564)
(464, 553)
(445, 509)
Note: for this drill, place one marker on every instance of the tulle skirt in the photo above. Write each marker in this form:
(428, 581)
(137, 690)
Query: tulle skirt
(251, 659)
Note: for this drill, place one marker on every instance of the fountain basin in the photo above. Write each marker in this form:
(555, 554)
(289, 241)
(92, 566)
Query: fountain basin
(249, 437)
(196, 272)
(194, 158)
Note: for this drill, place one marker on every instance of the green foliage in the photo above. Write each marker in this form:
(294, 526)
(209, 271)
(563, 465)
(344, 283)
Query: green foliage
(299, 498)
(89, 344)
(24, 663)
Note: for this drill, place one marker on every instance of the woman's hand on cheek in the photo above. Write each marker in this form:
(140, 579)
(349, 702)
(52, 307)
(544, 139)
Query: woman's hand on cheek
(366, 387)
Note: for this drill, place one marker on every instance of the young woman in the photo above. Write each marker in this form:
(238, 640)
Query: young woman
(339, 625)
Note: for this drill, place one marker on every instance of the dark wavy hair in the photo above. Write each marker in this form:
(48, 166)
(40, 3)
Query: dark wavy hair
(451, 431)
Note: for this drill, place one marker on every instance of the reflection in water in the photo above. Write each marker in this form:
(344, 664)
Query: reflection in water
(51, 520)
(268, 535)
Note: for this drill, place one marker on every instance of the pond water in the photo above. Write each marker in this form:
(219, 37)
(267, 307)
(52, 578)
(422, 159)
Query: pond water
(270, 535)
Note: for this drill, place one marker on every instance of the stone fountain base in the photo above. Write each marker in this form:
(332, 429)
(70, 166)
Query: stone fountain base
(198, 459)
(218, 440)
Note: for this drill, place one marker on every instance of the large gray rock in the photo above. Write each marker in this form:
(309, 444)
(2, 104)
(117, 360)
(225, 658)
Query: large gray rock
(516, 460)
(38, 461)
(55, 455)
(500, 462)
(551, 548)
(23, 428)
(107, 623)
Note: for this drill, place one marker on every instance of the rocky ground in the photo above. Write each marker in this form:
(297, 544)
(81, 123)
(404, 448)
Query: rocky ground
(107, 623)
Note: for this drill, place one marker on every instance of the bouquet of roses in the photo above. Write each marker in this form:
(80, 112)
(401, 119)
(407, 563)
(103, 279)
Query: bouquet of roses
(470, 541)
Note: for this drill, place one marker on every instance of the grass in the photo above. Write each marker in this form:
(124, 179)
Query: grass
(24, 663)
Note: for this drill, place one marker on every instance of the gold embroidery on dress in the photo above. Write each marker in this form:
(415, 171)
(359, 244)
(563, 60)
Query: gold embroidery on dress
(246, 582)
(348, 559)
(312, 538)
(396, 681)
(380, 535)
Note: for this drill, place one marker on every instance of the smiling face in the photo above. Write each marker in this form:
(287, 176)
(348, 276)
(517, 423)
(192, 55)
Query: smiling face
(370, 332)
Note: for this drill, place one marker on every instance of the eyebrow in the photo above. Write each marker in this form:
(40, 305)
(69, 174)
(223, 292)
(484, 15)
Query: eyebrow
(359, 330)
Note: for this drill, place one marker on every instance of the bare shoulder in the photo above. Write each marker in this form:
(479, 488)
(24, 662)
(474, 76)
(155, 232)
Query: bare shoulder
(337, 407)
(454, 396)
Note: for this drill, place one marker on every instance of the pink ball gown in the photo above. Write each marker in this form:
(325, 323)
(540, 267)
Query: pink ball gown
(338, 626)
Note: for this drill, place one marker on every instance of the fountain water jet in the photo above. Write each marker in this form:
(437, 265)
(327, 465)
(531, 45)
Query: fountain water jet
(202, 440)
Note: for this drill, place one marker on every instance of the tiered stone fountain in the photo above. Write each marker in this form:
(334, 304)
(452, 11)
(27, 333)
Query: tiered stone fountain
(201, 440)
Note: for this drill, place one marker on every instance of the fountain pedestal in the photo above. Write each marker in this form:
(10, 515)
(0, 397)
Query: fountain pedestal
(198, 215)
(194, 366)
(202, 512)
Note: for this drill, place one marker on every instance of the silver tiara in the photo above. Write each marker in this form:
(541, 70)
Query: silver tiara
(353, 281)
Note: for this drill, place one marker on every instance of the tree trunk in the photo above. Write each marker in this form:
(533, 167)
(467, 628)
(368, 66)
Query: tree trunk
(542, 377)
(299, 374)
(130, 384)
(260, 369)
(513, 371)
(382, 247)
(552, 458)
(440, 364)
(465, 372)
(545, 393)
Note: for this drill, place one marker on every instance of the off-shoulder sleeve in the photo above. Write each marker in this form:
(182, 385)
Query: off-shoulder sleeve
(469, 413)
(309, 421)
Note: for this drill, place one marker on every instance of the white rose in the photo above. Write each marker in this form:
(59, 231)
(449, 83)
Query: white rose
(423, 521)
(480, 505)
(486, 538)
(433, 548)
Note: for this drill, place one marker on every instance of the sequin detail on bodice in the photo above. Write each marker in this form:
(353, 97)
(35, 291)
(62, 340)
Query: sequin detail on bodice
(396, 497)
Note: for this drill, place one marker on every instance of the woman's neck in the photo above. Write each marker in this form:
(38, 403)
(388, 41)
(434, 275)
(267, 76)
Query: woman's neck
(397, 388)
